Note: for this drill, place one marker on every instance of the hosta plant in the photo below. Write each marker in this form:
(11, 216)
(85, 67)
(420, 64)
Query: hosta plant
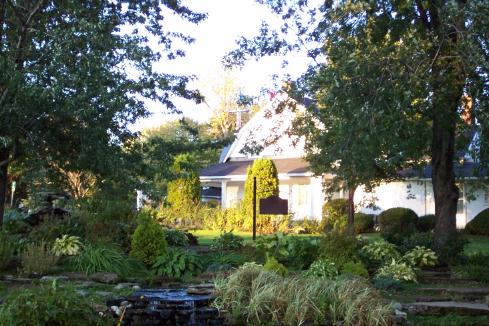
(227, 241)
(381, 251)
(177, 264)
(421, 256)
(67, 245)
(397, 270)
(324, 268)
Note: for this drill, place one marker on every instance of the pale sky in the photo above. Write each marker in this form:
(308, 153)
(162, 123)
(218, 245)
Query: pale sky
(227, 21)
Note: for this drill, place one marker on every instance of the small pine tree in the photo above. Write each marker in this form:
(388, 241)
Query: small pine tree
(266, 185)
(184, 192)
(148, 240)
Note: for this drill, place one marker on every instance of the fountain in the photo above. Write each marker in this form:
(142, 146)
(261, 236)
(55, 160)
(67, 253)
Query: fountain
(167, 307)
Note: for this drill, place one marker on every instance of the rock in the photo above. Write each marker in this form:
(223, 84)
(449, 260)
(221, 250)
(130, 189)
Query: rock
(447, 307)
(117, 310)
(104, 294)
(108, 278)
(400, 318)
(201, 289)
(122, 286)
(76, 276)
(136, 287)
(52, 278)
(99, 307)
(86, 284)
(82, 293)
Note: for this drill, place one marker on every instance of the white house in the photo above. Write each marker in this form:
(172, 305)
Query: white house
(267, 135)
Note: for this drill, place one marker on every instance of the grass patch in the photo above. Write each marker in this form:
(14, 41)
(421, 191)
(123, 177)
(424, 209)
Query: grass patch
(477, 243)
(449, 320)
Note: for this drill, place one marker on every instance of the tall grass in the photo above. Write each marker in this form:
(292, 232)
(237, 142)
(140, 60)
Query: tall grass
(254, 296)
(96, 258)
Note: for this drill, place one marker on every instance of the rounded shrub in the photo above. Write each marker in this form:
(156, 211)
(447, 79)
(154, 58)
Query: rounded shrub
(148, 240)
(479, 224)
(363, 223)
(398, 220)
(335, 215)
(355, 269)
(426, 223)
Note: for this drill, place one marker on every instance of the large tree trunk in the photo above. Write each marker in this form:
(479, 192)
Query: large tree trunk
(351, 211)
(4, 155)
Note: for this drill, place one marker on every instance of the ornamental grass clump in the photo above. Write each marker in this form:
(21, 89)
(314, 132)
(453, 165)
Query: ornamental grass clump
(38, 258)
(255, 296)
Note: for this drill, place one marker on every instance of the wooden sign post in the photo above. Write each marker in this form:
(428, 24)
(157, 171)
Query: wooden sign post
(273, 205)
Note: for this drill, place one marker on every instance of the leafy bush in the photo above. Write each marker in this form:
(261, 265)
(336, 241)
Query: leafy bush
(7, 247)
(426, 223)
(355, 269)
(339, 248)
(219, 261)
(363, 223)
(227, 241)
(291, 251)
(38, 259)
(397, 270)
(148, 240)
(67, 246)
(96, 258)
(273, 265)
(479, 224)
(398, 221)
(254, 296)
(323, 268)
(184, 192)
(421, 257)
(479, 273)
(176, 238)
(381, 251)
(47, 306)
(387, 283)
(335, 215)
(177, 263)
(451, 252)
(306, 226)
(422, 239)
(52, 228)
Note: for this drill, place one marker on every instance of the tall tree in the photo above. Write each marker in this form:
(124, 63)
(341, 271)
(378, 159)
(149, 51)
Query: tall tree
(394, 81)
(66, 93)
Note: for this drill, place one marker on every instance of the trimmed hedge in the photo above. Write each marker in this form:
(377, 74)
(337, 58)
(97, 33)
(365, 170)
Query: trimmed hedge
(426, 223)
(479, 224)
(398, 220)
(363, 223)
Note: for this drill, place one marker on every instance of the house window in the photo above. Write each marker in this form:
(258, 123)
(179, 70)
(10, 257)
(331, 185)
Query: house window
(460, 203)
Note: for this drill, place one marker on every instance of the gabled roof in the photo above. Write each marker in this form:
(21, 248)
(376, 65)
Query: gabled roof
(290, 166)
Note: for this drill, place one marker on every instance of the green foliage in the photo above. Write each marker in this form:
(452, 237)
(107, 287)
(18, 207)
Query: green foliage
(363, 223)
(184, 192)
(335, 215)
(339, 248)
(49, 305)
(322, 268)
(423, 239)
(449, 320)
(426, 223)
(254, 296)
(52, 228)
(291, 251)
(148, 240)
(7, 247)
(306, 226)
(398, 220)
(227, 241)
(218, 262)
(67, 246)
(479, 224)
(96, 258)
(421, 257)
(452, 250)
(266, 185)
(177, 264)
(273, 265)
(475, 267)
(387, 283)
(355, 269)
(176, 238)
(38, 259)
(397, 270)
(381, 251)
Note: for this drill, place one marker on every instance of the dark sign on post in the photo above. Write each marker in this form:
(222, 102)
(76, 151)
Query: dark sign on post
(274, 205)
